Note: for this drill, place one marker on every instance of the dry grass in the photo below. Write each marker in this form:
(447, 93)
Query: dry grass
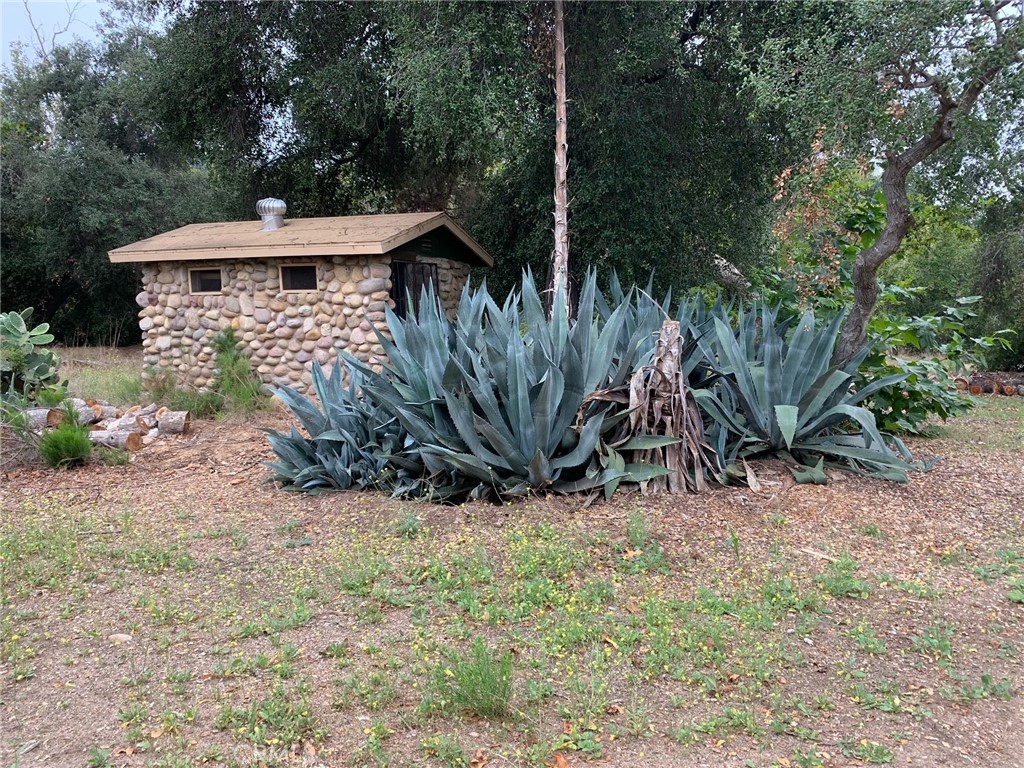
(112, 374)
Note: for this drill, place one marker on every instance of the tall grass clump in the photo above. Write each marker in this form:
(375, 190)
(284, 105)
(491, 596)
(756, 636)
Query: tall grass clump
(241, 389)
(479, 682)
(116, 385)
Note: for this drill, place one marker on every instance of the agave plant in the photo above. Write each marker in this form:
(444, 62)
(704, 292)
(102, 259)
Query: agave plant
(646, 316)
(349, 443)
(782, 396)
(495, 403)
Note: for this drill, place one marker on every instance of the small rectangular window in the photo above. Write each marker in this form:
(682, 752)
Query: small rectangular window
(298, 277)
(205, 280)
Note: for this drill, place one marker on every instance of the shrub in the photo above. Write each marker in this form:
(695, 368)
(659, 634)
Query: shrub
(926, 389)
(235, 386)
(496, 403)
(114, 457)
(351, 442)
(66, 446)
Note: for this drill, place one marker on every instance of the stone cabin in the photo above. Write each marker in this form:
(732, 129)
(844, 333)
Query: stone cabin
(295, 291)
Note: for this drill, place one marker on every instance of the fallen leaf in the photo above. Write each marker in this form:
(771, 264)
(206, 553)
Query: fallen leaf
(631, 553)
(557, 761)
(479, 760)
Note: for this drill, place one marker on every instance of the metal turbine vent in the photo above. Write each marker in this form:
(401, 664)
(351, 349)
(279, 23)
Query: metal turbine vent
(271, 211)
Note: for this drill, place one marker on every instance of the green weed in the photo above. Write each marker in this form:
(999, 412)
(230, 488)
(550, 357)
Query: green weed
(839, 581)
(446, 749)
(935, 642)
(864, 636)
(285, 718)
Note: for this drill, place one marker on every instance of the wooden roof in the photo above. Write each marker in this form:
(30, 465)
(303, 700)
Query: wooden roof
(334, 236)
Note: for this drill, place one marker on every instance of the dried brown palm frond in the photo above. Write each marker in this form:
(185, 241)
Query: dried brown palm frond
(660, 405)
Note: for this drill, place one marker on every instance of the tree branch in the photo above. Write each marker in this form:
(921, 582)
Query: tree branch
(897, 205)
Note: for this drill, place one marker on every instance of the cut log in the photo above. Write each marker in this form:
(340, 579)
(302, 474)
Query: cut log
(104, 411)
(1008, 389)
(174, 423)
(987, 387)
(146, 422)
(122, 439)
(129, 422)
(961, 383)
(86, 415)
(160, 413)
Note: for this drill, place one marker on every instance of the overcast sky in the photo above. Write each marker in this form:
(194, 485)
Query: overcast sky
(49, 17)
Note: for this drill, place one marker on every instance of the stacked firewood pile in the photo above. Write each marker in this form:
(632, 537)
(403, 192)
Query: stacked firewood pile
(993, 383)
(131, 428)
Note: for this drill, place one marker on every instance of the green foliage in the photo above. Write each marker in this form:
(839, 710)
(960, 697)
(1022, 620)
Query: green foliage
(235, 381)
(65, 446)
(162, 388)
(85, 170)
(999, 275)
(926, 351)
(285, 716)
(349, 440)
(926, 389)
(430, 106)
(114, 457)
(235, 387)
(480, 682)
(25, 366)
(494, 403)
(781, 395)
(843, 65)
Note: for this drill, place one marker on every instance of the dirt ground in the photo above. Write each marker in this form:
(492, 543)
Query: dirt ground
(87, 632)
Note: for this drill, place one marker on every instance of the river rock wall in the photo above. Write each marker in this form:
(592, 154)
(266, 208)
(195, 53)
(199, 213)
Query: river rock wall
(284, 333)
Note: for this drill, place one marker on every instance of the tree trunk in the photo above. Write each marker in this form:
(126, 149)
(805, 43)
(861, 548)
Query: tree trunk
(897, 211)
(560, 256)
(865, 268)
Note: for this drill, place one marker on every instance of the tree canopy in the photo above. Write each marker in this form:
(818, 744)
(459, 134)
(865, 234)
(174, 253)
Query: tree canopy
(681, 117)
